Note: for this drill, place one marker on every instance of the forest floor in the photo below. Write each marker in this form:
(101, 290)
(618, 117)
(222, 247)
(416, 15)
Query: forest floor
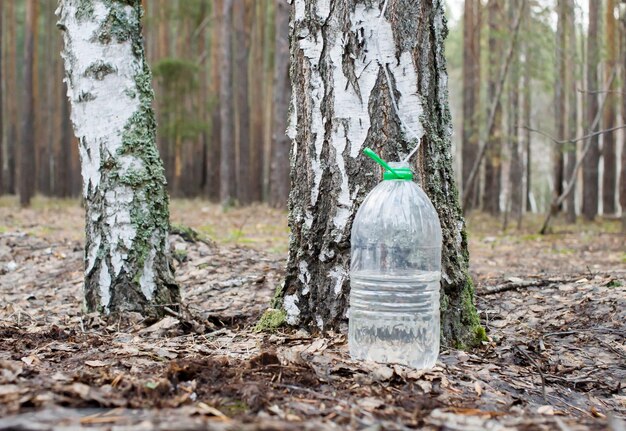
(554, 308)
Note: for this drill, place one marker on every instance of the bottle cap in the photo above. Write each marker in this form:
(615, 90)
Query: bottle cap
(403, 173)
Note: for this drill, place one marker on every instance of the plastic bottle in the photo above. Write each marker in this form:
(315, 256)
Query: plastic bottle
(395, 272)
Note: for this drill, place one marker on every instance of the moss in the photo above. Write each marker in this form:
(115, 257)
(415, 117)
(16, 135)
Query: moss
(180, 255)
(472, 320)
(84, 9)
(277, 299)
(271, 320)
(185, 232)
(99, 70)
(119, 25)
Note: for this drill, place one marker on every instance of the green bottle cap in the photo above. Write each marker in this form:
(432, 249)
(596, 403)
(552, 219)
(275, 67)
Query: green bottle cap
(391, 173)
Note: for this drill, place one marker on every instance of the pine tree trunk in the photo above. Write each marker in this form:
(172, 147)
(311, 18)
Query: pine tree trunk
(609, 176)
(341, 105)
(127, 222)
(622, 180)
(590, 164)
(228, 180)
(2, 65)
(516, 194)
(256, 102)
(493, 165)
(471, 93)
(27, 147)
(214, 153)
(12, 105)
(559, 101)
(242, 25)
(572, 106)
(279, 160)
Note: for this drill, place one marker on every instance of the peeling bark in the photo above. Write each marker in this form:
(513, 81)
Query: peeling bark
(341, 104)
(127, 222)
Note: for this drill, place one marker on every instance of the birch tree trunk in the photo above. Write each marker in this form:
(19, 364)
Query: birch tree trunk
(341, 104)
(526, 104)
(127, 222)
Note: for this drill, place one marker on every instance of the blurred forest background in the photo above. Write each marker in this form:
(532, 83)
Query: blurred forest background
(530, 81)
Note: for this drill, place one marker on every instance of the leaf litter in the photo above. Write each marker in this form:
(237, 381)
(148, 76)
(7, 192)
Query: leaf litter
(555, 359)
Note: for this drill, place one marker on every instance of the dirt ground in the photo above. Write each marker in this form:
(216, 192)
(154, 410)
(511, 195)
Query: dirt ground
(554, 308)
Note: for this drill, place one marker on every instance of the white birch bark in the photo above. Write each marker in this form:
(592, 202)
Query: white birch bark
(109, 88)
(341, 104)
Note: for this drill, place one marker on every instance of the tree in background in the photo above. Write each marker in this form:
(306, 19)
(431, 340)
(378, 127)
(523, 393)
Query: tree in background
(609, 175)
(493, 162)
(516, 169)
(590, 164)
(228, 176)
(471, 92)
(622, 181)
(127, 222)
(559, 100)
(27, 146)
(279, 180)
(342, 104)
(571, 95)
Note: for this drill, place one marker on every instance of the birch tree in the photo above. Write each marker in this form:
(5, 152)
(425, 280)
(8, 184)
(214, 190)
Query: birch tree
(340, 55)
(127, 222)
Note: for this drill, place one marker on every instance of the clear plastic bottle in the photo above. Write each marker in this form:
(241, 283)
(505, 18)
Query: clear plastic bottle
(394, 274)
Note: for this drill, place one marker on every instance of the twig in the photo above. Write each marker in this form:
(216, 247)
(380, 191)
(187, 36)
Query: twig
(543, 378)
(574, 140)
(492, 109)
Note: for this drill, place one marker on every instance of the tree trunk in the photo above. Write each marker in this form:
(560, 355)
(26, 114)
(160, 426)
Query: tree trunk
(2, 63)
(526, 85)
(471, 93)
(214, 153)
(622, 181)
(228, 180)
(279, 160)
(27, 148)
(572, 105)
(493, 165)
(12, 105)
(341, 104)
(609, 177)
(559, 101)
(127, 222)
(516, 192)
(242, 24)
(590, 166)
(256, 103)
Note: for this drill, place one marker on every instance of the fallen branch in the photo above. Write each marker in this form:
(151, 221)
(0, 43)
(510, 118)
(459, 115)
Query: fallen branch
(543, 378)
